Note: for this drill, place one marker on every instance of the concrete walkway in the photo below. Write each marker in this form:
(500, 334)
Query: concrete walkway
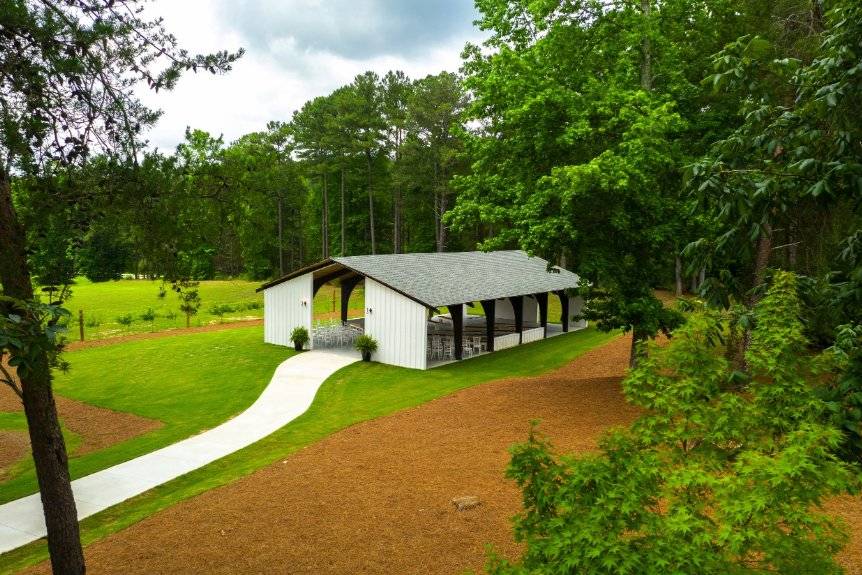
(288, 395)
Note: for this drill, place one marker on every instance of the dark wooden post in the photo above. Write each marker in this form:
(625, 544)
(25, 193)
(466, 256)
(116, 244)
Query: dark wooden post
(542, 298)
(564, 304)
(518, 308)
(81, 323)
(457, 313)
(347, 286)
(489, 306)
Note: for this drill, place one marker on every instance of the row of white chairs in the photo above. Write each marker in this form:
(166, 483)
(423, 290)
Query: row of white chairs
(332, 334)
(443, 346)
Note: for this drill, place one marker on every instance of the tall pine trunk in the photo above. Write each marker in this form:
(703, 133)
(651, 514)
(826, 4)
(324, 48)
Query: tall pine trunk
(397, 201)
(370, 204)
(761, 263)
(343, 251)
(325, 223)
(678, 275)
(46, 439)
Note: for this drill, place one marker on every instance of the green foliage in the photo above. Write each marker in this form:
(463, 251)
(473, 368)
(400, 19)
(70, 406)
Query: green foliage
(31, 338)
(299, 336)
(190, 299)
(718, 476)
(104, 254)
(365, 343)
(149, 315)
(125, 319)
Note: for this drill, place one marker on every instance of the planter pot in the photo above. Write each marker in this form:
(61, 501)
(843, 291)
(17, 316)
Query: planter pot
(366, 356)
(297, 346)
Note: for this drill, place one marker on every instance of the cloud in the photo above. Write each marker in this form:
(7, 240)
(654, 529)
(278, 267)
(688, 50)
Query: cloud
(355, 29)
(296, 50)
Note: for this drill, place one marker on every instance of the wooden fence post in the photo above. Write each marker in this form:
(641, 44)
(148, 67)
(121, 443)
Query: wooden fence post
(81, 323)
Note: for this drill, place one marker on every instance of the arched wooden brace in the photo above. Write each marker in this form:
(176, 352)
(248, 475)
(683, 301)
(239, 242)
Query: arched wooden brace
(518, 308)
(542, 299)
(318, 282)
(564, 304)
(457, 313)
(347, 285)
(489, 306)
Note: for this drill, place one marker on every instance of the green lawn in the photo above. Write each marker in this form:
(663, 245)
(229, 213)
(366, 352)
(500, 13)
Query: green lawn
(189, 382)
(104, 303)
(356, 393)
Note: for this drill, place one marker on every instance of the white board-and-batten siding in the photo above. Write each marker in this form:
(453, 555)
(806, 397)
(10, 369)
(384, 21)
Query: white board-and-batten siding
(398, 324)
(286, 306)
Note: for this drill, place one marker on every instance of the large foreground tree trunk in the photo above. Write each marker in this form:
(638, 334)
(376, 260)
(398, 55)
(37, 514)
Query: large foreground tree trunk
(46, 439)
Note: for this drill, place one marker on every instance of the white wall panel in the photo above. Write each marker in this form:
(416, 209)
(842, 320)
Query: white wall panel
(576, 303)
(531, 335)
(286, 306)
(397, 323)
(504, 310)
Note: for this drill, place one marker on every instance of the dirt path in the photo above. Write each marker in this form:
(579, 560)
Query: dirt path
(376, 498)
(76, 345)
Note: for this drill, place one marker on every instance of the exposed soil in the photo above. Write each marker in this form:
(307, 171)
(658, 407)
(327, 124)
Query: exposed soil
(76, 345)
(14, 445)
(377, 497)
(98, 427)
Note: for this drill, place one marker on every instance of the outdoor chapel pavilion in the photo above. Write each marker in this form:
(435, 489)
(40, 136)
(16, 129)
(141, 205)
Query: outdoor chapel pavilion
(405, 294)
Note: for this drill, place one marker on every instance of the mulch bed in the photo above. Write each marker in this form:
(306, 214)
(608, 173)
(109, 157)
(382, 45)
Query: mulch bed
(98, 427)
(14, 445)
(377, 497)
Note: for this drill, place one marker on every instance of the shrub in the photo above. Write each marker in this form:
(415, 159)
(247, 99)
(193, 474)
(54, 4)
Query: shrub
(125, 320)
(299, 337)
(221, 309)
(171, 315)
(253, 305)
(724, 472)
(149, 315)
(92, 321)
(366, 344)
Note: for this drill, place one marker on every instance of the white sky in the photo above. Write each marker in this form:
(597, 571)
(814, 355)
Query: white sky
(296, 50)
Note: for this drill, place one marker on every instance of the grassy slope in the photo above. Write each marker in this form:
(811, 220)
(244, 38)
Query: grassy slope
(357, 393)
(191, 382)
(104, 302)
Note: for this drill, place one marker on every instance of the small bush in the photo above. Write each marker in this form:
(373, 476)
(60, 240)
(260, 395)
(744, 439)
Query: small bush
(299, 336)
(92, 321)
(149, 315)
(171, 315)
(366, 344)
(126, 319)
(253, 305)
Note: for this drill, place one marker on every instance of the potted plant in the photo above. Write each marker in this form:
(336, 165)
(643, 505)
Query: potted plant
(366, 345)
(299, 337)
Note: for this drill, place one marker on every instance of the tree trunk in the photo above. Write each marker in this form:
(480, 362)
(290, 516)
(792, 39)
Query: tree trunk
(634, 354)
(343, 251)
(443, 206)
(280, 237)
(646, 49)
(370, 205)
(325, 223)
(678, 273)
(43, 426)
(761, 263)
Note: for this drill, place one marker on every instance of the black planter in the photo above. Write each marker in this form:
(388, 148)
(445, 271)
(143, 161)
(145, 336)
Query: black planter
(366, 356)
(297, 346)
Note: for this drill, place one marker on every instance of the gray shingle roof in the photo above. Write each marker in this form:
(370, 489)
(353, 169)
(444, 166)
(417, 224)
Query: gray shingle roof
(438, 279)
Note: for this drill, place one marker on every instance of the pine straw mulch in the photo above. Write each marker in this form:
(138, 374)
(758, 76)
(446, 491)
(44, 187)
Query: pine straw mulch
(98, 427)
(376, 497)
(14, 445)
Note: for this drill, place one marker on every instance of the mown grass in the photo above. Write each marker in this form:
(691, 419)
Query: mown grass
(16, 421)
(122, 307)
(190, 383)
(356, 393)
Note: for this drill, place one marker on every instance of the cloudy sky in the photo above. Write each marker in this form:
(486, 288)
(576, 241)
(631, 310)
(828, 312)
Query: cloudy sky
(296, 50)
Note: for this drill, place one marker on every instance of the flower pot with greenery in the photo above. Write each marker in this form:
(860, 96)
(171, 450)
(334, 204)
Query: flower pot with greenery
(299, 337)
(366, 345)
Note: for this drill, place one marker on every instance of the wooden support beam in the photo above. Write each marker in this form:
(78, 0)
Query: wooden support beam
(457, 313)
(489, 306)
(318, 282)
(518, 308)
(542, 298)
(564, 304)
(347, 286)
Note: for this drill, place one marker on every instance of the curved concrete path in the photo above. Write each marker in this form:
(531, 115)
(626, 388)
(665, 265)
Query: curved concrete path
(288, 395)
